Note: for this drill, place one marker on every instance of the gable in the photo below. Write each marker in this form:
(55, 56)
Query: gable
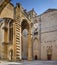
(8, 11)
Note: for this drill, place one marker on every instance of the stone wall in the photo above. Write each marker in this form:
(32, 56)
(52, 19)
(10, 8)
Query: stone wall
(49, 34)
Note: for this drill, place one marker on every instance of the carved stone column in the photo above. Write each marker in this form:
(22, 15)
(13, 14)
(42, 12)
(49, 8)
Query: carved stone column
(5, 43)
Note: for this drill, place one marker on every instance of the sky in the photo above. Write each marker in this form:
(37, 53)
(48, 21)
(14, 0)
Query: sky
(39, 6)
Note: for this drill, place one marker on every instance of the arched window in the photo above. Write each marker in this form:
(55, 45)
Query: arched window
(25, 32)
(11, 32)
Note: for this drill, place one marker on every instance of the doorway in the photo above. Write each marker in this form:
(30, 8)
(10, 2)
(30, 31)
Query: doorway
(49, 53)
(49, 57)
(36, 57)
(35, 49)
(11, 54)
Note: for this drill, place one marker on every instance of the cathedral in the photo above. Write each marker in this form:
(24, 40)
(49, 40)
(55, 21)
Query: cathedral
(25, 35)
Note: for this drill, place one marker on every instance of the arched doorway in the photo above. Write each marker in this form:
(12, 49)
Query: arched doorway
(24, 39)
(49, 53)
(35, 49)
(11, 54)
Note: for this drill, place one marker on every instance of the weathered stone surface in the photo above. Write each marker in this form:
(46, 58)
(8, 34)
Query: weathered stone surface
(41, 41)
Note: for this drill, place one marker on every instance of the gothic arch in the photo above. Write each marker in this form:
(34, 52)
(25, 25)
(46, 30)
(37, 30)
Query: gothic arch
(24, 40)
(24, 24)
(9, 27)
(35, 49)
(35, 38)
(49, 53)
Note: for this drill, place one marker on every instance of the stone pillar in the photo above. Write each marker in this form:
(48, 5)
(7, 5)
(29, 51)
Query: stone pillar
(5, 44)
(5, 28)
(14, 43)
(39, 33)
(29, 46)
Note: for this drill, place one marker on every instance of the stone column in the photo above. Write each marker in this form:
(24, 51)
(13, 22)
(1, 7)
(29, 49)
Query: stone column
(39, 38)
(29, 45)
(5, 38)
(5, 45)
(14, 43)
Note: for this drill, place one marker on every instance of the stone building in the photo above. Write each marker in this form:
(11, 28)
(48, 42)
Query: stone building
(26, 35)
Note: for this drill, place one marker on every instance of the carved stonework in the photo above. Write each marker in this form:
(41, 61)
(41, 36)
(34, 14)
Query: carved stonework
(49, 50)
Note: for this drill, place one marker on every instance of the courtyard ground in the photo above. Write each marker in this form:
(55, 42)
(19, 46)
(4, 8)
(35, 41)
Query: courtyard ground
(29, 63)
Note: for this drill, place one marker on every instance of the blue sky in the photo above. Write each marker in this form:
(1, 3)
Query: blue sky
(39, 5)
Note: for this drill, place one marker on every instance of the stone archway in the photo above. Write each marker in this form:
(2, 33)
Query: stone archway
(10, 54)
(35, 49)
(24, 39)
(19, 46)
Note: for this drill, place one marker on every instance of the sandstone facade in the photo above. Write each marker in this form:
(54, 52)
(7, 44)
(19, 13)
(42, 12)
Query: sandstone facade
(26, 35)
